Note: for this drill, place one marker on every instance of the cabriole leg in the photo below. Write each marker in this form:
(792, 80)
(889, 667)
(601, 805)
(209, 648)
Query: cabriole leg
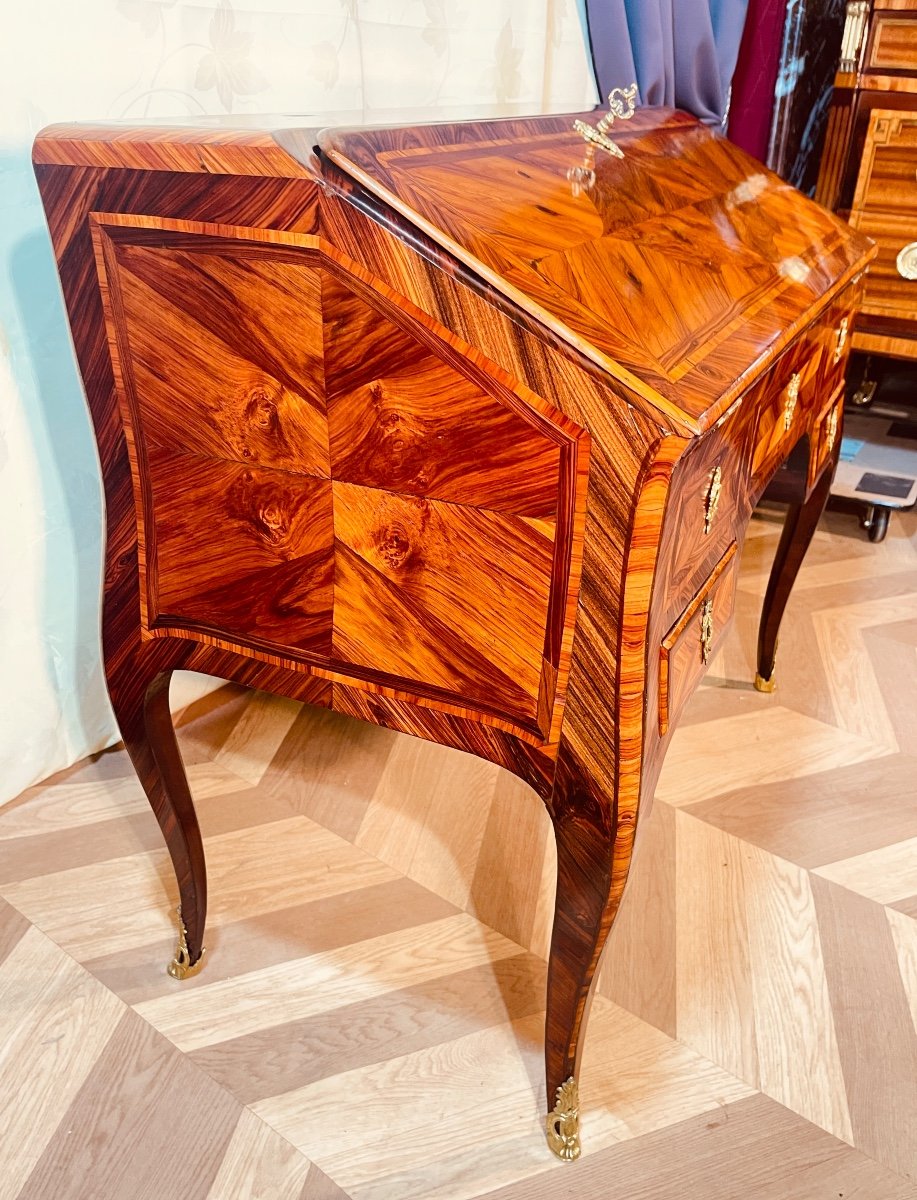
(139, 690)
(593, 855)
(798, 531)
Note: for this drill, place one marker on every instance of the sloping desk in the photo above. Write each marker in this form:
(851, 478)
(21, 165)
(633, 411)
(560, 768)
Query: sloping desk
(410, 427)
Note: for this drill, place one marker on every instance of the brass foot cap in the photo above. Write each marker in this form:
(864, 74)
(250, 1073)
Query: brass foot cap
(181, 966)
(562, 1124)
(765, 685)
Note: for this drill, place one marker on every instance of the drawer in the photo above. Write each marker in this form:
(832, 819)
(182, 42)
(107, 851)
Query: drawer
(893, 45)
(891, 285)
(832, 339)
(826, 435)
(799, 386)
(694, 638)
(781, 402)
(706, 502)
(887, 181)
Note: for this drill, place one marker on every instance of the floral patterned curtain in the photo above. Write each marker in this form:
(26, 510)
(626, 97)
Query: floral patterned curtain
(162, 59)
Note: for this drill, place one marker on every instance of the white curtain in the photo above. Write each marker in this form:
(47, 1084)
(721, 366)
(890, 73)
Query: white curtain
(128, 59)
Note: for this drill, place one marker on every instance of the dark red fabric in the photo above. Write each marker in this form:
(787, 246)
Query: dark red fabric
(752, 105)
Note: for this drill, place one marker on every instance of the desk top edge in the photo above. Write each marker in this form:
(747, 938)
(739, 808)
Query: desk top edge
(287, 148)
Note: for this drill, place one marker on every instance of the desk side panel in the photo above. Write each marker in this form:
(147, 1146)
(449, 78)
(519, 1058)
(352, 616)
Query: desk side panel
(267, 207)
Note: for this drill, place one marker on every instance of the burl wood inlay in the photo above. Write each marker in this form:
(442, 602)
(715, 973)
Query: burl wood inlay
(404, 428)
(366, 495)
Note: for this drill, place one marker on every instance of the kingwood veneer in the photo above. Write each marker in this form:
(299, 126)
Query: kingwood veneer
(409, 427)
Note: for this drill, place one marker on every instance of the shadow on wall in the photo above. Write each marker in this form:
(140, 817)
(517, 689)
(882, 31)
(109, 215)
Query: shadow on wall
(62, 509)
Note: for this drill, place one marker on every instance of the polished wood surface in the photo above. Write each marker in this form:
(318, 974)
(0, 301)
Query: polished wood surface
(886, 181)
(894, 44)
(889, 294)
(686, 284)
(353, 459)
(869, 169)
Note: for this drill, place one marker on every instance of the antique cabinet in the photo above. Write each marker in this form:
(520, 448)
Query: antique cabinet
(453, 428)
(869, 165)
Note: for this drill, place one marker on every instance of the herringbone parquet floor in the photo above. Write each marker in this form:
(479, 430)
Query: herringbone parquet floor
(369, 1020)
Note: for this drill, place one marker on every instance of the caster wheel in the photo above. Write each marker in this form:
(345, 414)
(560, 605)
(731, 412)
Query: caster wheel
(878, 526)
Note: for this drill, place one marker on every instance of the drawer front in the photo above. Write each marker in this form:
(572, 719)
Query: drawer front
(826, 435)
(833, 337)
(887, 181)
(891, 285)
(782, 403)
(893, 46)
(706, 503)
(692, 641)
(798, 387)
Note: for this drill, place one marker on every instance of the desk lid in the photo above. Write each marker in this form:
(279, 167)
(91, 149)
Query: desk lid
(682, 272)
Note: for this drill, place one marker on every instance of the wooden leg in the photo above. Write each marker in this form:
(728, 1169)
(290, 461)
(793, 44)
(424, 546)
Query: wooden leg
(798, 530)
(139, 690)
(593, 855)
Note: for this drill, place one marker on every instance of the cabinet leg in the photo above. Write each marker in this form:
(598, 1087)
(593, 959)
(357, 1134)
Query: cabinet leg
(798, 531)
(593, 856)
(139, 690)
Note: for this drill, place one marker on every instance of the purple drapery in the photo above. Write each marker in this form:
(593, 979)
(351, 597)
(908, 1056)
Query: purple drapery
(755, 80)
(680, 52)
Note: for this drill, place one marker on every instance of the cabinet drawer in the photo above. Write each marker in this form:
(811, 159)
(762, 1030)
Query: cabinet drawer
(706, 501)
(887, 181)
(799, 386)
(694, 638)
(826, 435)
(893, 45)
(891, 285)
(784, 397)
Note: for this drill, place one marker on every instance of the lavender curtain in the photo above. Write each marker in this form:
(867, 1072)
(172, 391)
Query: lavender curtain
(680, 52)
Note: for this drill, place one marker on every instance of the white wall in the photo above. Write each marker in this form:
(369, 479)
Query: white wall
(72, 60)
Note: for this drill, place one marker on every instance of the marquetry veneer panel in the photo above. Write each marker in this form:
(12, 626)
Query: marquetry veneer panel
(888, 292)
(894, 43)
(325, 478)
(887, 181)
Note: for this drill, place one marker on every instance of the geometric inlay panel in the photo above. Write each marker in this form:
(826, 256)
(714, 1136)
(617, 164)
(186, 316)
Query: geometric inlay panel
(330, 480)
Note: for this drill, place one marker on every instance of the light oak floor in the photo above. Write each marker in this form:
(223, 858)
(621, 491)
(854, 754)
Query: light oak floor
(369, 1021)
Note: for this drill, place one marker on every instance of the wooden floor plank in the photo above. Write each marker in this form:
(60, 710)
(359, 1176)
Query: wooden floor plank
(293, 1055)
(108, 907)
(753, 748)
(12, 927)
(257, 735)
(55, 1020)
(879, 1056)
(754, 1149)
(885, 875)
(270, 938)
(294, 990)
(798, 1060)
(639, 970)
(824, 821)
(259, 1162)
(713, 977)
(480, 1091)
(904, 935)
(346, 759)
(101, 1147)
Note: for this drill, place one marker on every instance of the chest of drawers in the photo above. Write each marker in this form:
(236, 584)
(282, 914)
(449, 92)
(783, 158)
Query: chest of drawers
(451, 430)
(869, 165)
